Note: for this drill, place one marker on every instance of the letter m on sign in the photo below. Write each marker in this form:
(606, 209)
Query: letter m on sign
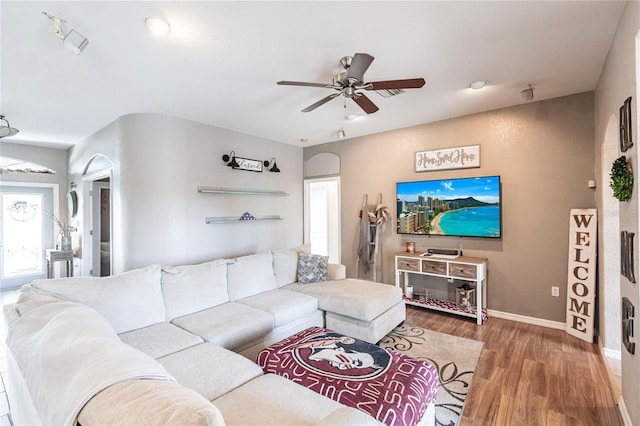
(581, 276)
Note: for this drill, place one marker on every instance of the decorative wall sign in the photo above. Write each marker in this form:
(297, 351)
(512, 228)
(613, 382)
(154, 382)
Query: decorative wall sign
(581, 273)
(628, 314)
(626, 256)
(626, 140)
(463, 157)
(248, 164)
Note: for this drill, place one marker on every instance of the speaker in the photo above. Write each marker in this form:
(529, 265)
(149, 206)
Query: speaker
(447, 252)
(527, 94)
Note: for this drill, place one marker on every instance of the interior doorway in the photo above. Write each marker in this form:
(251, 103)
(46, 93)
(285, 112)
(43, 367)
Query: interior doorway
(322, 216)
(26, 230)
(101, 227)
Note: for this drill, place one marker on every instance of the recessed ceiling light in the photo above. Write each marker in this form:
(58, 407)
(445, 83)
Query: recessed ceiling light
(304, 140)
(479, 84)
(157, 26)
(351, 117)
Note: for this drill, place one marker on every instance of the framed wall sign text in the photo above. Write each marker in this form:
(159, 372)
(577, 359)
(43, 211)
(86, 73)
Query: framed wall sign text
(248, 164)
(462, 157)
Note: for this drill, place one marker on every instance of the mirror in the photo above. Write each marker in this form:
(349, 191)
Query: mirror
(72, 204)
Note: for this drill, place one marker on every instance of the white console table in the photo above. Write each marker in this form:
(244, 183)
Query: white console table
(53, 256)
(470, 269)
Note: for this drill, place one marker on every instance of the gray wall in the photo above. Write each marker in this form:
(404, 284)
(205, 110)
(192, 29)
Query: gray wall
(159, 217)
(617, 82)
(53, 158)
(544, 154)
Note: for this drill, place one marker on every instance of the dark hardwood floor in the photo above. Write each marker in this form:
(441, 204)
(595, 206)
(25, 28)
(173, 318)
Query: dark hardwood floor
(529, 375)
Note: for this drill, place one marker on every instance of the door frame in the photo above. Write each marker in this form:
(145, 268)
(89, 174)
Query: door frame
(92, 242)
(55, 189)
(337, 216)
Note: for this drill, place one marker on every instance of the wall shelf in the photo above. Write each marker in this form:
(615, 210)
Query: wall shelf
(241, 191)
(236, 219)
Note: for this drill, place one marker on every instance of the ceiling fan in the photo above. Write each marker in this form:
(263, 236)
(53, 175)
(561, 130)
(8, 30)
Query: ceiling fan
(349, 83)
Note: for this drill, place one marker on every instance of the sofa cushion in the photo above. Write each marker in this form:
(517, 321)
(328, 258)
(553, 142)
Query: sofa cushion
(286, 306)
(285, 264)
(192, 288)
(230, 325)
(149, 402)
(274, 400)
(129, 301)
(312, 268)
(359, 299)
(210, 370)
(249, 275)
(160, 339)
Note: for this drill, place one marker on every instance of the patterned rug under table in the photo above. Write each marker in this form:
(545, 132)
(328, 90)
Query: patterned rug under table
(390, 386)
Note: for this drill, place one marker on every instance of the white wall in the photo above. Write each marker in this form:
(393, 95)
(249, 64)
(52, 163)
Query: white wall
(159, 217)
(617, 82)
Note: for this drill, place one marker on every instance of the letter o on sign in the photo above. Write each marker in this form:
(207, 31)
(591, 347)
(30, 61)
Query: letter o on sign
(579, 289)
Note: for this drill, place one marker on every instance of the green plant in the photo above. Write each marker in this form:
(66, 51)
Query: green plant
(621, 179)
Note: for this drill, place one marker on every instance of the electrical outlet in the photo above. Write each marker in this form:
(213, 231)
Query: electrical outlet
(450, 280)
(555, 291)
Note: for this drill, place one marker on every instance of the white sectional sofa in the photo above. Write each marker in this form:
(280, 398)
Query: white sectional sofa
(175, 345)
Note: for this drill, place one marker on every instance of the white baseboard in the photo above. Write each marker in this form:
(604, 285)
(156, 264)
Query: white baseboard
(525, 319)
(613, 359)
(624, 413)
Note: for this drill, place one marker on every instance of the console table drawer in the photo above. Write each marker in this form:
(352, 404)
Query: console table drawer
(434, 267)
(462, 270)
(409, 264)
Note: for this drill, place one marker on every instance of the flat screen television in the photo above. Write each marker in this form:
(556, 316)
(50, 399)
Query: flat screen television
(464, 207)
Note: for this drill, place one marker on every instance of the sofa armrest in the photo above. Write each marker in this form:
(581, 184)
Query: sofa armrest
(149, 402)
(336, 271)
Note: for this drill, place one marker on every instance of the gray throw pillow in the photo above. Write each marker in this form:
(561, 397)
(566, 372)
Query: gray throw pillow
(312, 268)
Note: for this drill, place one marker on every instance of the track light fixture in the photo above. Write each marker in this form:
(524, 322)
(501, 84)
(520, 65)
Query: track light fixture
(231, 160)
(274, 168)
(342, 134)
(73, 39)
(5, 128)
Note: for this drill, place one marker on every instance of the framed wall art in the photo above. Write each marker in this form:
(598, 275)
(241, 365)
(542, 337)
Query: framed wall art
(462, 157)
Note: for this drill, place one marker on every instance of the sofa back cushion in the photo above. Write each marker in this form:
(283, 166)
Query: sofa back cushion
(285, 264)
(249, 275)
(192, 288)
(129, 301)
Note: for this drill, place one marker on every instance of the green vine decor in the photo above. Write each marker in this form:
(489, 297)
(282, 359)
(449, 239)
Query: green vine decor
(621, 179)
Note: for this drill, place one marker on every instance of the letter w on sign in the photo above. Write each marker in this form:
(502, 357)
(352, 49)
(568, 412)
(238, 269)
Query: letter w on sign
(581, 276)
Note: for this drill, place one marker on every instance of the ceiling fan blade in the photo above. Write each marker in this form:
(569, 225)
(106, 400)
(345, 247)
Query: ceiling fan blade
(303, 83)
(411, 83)
(359, 64)
(365, 103)
(320, 102)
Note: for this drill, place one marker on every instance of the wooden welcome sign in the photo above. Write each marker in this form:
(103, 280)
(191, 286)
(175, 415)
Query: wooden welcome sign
(581, 284)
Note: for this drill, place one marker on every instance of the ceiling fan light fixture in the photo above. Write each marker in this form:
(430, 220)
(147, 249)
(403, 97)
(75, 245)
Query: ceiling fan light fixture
(157, 26)
(5, 128)
(478, 84)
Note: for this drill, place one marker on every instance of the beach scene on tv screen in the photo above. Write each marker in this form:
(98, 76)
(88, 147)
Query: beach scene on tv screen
(467, 207)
